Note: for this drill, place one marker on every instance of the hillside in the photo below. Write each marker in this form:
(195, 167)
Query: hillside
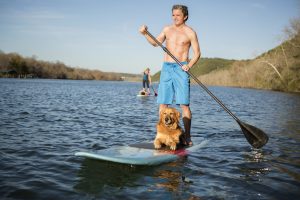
(278, 69)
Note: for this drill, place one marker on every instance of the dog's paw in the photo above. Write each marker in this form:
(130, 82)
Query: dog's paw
(157, 143)
(173, 147)
(157, 146)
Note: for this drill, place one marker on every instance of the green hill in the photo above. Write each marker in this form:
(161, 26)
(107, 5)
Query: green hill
(205, 66)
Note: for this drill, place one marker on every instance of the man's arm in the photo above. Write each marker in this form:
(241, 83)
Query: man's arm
(161, 37)
(196, 51)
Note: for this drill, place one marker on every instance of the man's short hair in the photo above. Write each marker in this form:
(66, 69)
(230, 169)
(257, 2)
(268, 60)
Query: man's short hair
(184, 10)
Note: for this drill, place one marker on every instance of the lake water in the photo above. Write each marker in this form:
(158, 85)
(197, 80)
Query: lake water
(44, 122)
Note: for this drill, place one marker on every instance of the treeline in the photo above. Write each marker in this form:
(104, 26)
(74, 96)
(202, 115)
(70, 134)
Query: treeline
(14, 65)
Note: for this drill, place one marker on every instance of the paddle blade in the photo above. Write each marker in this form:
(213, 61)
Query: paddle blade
(256, 137)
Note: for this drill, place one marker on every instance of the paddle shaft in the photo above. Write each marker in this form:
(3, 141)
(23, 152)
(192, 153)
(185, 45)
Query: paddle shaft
(154, 91)
(194, 77)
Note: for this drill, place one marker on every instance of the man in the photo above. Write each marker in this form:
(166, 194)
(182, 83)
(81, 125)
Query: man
(174, 81)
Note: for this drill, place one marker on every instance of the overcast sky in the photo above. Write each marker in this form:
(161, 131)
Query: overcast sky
(103, 35)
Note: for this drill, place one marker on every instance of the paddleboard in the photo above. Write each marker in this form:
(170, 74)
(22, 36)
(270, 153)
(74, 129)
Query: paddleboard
(141, 154)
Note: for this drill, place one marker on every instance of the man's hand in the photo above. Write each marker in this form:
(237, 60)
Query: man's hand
(143, 29)
(185, 68)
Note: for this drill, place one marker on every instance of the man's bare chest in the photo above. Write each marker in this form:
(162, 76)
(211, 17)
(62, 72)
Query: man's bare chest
(180, 39)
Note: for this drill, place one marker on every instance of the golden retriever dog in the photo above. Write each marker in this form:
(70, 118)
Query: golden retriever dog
(168, 129)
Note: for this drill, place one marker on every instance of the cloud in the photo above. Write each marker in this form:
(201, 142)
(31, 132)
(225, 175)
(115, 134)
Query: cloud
(37, 16)
(41, 15)
(32, 15)
(258, 5)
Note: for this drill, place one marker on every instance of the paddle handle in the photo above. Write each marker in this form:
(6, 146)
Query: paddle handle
(194, 77)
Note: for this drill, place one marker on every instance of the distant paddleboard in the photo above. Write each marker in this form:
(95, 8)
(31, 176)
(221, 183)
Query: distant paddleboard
(140, 154)
(144, 94)
(140, 95)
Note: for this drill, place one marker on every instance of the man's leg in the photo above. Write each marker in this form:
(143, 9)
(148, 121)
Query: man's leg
(148, 88)
(187, 121)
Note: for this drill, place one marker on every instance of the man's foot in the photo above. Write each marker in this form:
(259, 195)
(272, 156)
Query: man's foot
(186, 141)
(186, 134)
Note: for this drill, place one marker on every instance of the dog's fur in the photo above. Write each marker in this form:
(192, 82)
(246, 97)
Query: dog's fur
(168, 129)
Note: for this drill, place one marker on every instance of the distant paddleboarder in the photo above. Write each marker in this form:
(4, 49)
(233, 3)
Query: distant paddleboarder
(146, 81)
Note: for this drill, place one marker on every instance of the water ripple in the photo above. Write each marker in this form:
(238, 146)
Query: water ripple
(44, 122)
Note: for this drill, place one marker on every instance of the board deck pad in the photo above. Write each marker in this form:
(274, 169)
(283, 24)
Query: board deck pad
(140, 154)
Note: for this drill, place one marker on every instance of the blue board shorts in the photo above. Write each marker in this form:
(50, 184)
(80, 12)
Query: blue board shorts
(174, 84)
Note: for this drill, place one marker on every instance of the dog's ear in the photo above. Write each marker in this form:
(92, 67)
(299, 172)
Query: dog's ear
(160, 115)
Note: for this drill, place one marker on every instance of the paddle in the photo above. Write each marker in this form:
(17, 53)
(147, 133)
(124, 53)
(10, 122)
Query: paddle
(155, 94)
(256, 137)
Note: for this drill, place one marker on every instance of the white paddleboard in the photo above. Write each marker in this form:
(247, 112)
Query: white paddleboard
(140, 154)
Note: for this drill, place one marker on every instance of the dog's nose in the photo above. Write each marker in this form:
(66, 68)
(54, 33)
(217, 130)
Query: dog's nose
(168, 120)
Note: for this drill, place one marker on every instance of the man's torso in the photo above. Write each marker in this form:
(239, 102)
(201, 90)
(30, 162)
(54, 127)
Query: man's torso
(178, 43)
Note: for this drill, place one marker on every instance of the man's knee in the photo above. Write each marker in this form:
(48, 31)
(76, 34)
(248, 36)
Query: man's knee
(186, 112)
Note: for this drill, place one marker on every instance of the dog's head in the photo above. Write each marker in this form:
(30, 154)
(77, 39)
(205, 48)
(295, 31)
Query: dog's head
(169, 117)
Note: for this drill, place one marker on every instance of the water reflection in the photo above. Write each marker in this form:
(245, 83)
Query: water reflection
(255, 165)
(94, 177)
(170, 177)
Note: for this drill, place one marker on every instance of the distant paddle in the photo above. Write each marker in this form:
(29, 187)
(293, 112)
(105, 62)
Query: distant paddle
(256, 137)
(154, 91)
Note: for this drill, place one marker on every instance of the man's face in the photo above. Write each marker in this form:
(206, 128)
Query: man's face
(178, 17)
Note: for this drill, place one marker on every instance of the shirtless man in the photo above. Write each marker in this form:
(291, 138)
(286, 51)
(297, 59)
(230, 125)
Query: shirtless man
(174, 81)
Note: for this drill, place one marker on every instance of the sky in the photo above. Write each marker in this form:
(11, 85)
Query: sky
(104, 35)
